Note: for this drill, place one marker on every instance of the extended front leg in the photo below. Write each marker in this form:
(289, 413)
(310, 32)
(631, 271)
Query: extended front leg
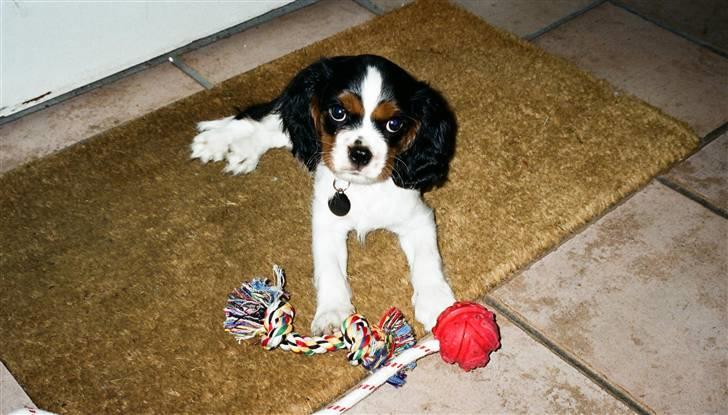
(333, 295)
(432, 294)
(241, 140)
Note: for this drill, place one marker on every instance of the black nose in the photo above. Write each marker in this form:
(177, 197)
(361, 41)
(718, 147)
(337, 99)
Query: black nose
(360, 155)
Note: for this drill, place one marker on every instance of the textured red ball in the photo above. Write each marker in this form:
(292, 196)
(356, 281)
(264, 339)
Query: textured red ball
(467, 333)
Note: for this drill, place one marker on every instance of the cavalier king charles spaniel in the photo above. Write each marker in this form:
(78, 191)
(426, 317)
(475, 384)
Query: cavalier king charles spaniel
(375, 139)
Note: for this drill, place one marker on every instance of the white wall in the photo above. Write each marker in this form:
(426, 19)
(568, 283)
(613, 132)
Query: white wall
(57, 46)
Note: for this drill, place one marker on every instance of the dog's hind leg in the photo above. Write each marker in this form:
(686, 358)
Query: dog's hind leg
(241, 140)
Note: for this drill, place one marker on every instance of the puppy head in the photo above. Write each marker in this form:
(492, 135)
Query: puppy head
(373, 121)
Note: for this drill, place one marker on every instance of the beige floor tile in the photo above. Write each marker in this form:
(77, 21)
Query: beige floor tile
(12, 395)
(43, 132)
(701, 19)
(674, 74)
(522, 377)
(246, 50)
(641, 296)
(522, 17)
(706, 173)
(389, 5)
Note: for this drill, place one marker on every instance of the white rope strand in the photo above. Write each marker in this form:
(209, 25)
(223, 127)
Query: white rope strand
(424, 347)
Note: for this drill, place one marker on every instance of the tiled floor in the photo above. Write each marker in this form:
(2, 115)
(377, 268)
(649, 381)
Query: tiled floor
(683, 79)
(525, 378)
(629, 315)
(640, 296)
(248, 49)
(12, 395)
(54, 128)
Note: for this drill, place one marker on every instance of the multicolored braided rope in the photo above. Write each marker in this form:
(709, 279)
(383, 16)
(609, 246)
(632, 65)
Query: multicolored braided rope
(259, 309)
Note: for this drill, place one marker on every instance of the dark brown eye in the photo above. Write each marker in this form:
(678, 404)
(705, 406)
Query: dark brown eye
(337, 113)
(394, 125)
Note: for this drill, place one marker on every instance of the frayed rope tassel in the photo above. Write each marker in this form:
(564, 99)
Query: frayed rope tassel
(259, 309)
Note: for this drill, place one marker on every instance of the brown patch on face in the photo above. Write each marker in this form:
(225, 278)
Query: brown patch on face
(327, 141)
(393, 151)
(384, 111)
(351, 103)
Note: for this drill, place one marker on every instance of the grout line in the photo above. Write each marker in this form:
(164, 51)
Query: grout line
(684, 189)
(711, 136)
(256, 21)
(367, 4)
(692, 196)
(570, 358)
(533, 36)
(182, 66)
(670, 29)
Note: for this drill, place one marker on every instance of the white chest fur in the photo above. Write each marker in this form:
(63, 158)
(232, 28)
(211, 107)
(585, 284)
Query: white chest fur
(380, 205)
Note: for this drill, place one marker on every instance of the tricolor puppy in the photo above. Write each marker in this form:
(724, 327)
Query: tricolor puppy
(375, 139)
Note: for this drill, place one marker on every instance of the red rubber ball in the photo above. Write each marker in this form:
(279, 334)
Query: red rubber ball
(467, 333)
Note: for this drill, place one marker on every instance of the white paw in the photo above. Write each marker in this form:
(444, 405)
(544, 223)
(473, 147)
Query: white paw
(208, 146)
(328, 321)
(243, 155)
(231, 139)
(213, 141)
(429, 303)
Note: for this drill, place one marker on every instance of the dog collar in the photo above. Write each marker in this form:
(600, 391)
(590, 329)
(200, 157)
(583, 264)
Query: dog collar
(339, 203)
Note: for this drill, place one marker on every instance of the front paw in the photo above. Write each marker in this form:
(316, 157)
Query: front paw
(213, 142)
(430, 303)
(328, 321)
(231, 139)
(244, 155)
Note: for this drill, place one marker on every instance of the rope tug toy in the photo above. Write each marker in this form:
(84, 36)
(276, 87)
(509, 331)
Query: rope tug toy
(465, 333)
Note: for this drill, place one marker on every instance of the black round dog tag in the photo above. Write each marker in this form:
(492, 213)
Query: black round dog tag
(339, 204)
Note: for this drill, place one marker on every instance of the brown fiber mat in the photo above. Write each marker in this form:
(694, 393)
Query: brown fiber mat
(117, 254)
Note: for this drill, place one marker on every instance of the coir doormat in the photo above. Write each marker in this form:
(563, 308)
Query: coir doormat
(117, 254)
